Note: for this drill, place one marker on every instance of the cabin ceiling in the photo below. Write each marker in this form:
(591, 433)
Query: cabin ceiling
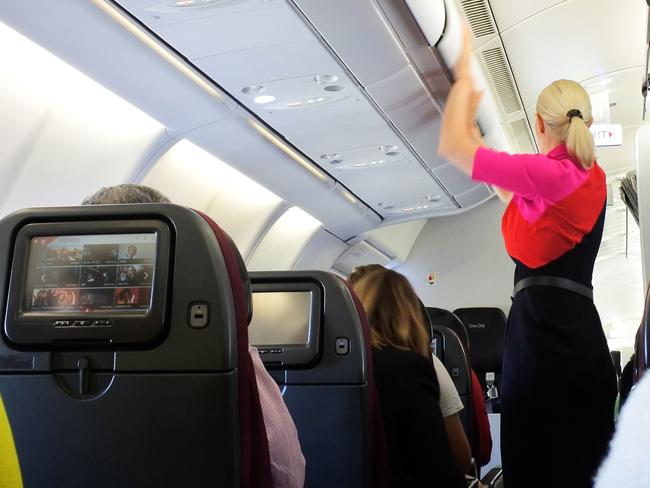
(599, 43)
(359, 94)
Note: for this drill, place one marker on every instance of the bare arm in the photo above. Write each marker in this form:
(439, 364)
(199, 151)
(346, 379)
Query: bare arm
(458, 142)
(458, 443)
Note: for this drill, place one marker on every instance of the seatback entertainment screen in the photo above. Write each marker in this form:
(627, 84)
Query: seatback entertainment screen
(90, 273)
(280, 318)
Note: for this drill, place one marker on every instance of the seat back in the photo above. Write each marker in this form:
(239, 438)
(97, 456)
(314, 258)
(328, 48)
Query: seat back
(486, 328)
(457, 364)
(324, 368)
(105, 391)
(440, 316)
(642, 342)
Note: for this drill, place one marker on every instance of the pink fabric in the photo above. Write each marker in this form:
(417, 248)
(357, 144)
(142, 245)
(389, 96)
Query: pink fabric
(537, 181)
(287, 461)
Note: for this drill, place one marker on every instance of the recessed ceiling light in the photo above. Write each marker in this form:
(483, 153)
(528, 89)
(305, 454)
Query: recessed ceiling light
(263, 99)
(253, 89)
(191, 3)
(325, 79)
(433, 198)
(365, 164)
(306, 102)
(334, 88)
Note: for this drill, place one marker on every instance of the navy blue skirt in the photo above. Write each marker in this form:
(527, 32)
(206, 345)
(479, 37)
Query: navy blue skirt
(558, 391)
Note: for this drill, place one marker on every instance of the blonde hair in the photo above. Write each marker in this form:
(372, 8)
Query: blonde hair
(394, 312)
(557, 106)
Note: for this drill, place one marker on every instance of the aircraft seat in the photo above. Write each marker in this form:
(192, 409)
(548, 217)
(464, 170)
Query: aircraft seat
(440, 316)
(457, 364)
(486, 328)
(642, 343)
(124, 354)
(313, 337)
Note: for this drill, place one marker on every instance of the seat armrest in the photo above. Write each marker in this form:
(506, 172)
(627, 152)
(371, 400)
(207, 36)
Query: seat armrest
(493, 479)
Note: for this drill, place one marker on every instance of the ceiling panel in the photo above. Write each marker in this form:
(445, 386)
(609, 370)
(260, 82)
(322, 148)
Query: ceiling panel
(543, 36)
(165, 13)
(230, 31)
(410, 107)
(455, 181)
(474, 195)
(508, 12)
(357, 42)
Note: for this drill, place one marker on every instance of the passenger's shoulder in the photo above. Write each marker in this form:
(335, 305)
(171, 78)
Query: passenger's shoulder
(402, 359)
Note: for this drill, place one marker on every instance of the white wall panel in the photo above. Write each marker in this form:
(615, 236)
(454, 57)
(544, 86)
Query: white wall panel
(593, 45)
(396, 240)
(321, 252)
(468, 257)
(63, 136)
(508, 12)
(190, 176)
(284, 242)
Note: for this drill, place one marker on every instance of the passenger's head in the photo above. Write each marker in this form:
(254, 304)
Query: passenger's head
(362, 271)
(393, 311)
(125, 194)
(564, 114)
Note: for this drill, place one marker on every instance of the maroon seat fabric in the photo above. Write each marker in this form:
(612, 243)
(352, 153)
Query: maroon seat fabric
(255, 461)
(379, 449)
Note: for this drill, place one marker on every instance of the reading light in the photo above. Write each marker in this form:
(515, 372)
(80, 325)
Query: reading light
(264, 99)
(191, 3)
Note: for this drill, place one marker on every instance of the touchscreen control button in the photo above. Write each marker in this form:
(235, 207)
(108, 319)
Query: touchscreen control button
(83, 323)
(199, 315)
(102, 322)
(62, 323)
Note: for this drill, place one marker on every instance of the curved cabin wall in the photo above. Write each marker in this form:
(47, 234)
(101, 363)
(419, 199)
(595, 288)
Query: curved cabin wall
(468, 257)
(63, 135)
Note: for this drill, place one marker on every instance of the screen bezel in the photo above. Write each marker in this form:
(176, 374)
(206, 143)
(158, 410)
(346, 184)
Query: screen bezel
(34, 328)
(294, 355)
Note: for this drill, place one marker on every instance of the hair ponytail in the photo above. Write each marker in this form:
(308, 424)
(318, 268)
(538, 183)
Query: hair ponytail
(565, 108)
(580, 142)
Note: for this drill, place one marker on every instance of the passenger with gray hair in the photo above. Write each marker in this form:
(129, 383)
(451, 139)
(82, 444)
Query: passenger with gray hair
(125, 194)
(287, 461)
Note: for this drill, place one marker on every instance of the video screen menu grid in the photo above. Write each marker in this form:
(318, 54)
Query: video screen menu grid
(90, 273)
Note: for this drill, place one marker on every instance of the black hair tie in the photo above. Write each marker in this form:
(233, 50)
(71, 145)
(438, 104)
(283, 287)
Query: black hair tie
(574, 112)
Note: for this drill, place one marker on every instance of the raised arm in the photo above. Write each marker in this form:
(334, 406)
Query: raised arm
(458, 140)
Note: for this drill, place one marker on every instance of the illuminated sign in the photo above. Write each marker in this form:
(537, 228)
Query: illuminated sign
(607, 134)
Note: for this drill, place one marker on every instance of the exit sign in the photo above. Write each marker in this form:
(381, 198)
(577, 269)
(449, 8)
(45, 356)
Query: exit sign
(607, 134)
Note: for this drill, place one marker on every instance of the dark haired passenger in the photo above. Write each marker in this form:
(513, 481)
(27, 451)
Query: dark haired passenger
(287, 461)
(409, 394)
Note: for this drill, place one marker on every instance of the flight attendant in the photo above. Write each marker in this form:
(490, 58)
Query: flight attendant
(559, 383)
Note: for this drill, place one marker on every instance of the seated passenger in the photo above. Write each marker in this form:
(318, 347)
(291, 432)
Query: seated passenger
(450, 402)
(627, 463)
(409, 392)
(287, 461)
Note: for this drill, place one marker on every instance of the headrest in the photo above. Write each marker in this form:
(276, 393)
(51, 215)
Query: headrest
(224, 239)
(642, 342)
(440, 316)
(245, 279)
(486, 328)
(427, 321)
